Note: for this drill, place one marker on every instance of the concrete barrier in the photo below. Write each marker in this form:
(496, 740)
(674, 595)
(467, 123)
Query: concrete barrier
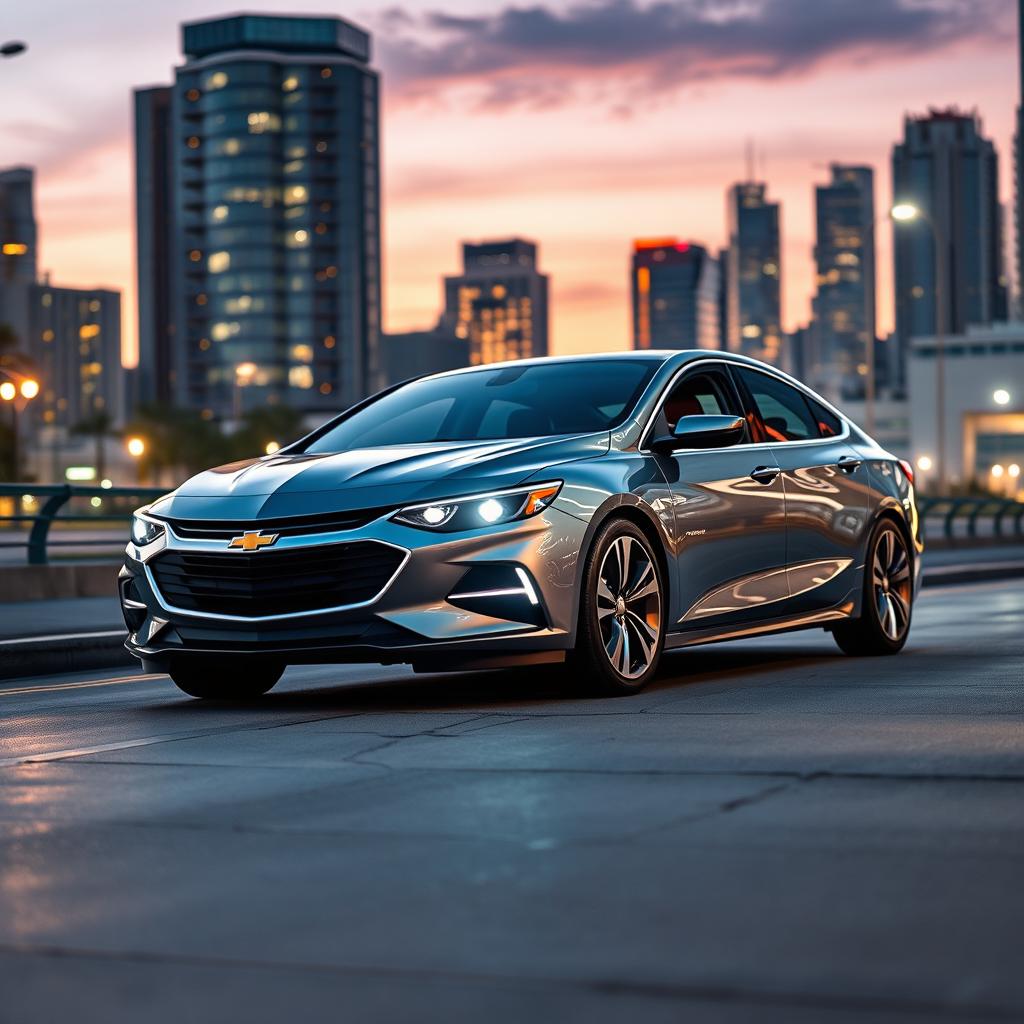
(46, 582)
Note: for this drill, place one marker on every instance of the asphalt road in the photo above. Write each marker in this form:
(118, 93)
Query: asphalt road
(773, 832)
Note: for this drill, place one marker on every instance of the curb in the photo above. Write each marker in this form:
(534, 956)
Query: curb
(980, 572)
(69, 652)
(75, 652)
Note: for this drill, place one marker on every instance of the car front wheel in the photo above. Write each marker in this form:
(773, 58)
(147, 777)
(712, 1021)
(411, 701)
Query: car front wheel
(621, 634)
(221, 679)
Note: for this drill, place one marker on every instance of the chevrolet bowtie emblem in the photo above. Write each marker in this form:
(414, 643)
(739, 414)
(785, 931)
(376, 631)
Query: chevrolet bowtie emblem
(253, 541)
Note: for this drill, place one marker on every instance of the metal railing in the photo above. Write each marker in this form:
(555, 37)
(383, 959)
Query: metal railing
(956, 519)
(30, 512)
(69, 520)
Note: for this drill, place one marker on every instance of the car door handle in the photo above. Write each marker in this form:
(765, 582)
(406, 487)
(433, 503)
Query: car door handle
(765, 474)
(848, 463)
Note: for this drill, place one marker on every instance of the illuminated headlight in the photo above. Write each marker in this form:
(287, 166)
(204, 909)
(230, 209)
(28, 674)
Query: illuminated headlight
(145, 531)
(480, 509)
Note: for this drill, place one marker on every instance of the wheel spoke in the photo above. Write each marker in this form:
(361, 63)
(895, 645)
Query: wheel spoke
(877, 572)
(901, 613)
(646, 585)
(645, 635)
(625, 553)
(605, 599)
(614, 645)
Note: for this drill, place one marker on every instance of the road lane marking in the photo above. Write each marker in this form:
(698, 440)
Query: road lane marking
(121, 681)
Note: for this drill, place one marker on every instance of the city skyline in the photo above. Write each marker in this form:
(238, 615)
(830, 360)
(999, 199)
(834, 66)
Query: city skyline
(459, 167)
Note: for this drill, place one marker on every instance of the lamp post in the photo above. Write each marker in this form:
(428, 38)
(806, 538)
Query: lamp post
(244, 374)
(905, 213)
(136, 448)
(17, 395)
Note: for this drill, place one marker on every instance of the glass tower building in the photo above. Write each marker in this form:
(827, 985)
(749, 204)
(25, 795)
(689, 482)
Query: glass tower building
(844, 305)
(676, 295)
(499, 303)
(947, 169)
(259, 218)
(754, 273)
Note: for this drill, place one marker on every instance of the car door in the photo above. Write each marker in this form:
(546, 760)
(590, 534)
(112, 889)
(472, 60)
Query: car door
(730, 526)
(826, 485)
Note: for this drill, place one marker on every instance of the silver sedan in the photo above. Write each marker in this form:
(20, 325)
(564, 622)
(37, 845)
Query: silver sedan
(596, 510)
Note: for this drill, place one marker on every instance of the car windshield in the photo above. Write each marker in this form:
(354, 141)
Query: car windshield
(530, 400)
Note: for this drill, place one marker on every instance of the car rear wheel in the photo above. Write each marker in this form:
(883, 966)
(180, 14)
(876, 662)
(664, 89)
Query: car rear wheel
(220, 679)
(888, 597)
(621, 634)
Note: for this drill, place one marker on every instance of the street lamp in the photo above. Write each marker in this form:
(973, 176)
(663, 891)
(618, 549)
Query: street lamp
(136, 447)
(908, 213)
(1001, 396)
(244, 374)
(18, 395)
(272, 448)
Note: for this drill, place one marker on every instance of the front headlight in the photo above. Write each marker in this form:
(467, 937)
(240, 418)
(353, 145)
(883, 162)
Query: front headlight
(145, 531)
(480, 510)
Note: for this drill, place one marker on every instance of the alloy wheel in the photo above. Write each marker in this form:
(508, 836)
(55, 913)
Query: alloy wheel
(629, 606)
(890, 581)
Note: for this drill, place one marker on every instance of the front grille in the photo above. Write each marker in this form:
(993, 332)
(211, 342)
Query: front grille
(275, 582)
(283, 526)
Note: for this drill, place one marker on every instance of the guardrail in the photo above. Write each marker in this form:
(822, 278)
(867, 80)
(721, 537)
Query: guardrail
(28, 512)
(953, 519)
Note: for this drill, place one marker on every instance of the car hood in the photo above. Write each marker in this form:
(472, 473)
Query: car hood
(303, 484)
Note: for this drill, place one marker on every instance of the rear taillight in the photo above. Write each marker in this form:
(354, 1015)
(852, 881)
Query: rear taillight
(908, 470)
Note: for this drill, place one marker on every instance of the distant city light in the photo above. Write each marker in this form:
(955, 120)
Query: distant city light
(272, 448)
(904, 212)
(136, 447)
(80, 473)
(924, 463)
(1001, 396)
(997, 471)
(8, 391)
(1014, 470)
(96, 501)
(106, 484)
(244, 372)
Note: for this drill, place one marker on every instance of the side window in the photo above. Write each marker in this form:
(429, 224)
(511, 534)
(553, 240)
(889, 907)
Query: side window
(782, 412)
(703, 392)
(829, 424)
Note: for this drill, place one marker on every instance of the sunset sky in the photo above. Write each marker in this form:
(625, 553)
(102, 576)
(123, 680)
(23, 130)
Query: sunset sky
(578, 124)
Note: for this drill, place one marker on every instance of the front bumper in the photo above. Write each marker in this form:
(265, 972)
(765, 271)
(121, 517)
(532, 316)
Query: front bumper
(467, 600)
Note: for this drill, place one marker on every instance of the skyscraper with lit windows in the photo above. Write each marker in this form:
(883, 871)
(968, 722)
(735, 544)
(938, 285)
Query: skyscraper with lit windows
(844, 303)
(499, 303)
(676, 294)
(264, 158)
(754, 273)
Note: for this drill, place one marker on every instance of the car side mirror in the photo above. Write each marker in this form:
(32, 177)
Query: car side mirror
(702, 432)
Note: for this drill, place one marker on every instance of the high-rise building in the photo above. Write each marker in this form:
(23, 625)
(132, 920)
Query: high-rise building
(76, 349)
(754, 273)
(948, 170)
(499, 303)
(155, 376)
(271, 177)
(18, 260)
(1018, 169)
(844, 305)
(675, 289)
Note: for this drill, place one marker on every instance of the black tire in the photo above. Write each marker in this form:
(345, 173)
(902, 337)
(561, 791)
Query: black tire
(615, 629)
(887, 603)
(224, 678)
